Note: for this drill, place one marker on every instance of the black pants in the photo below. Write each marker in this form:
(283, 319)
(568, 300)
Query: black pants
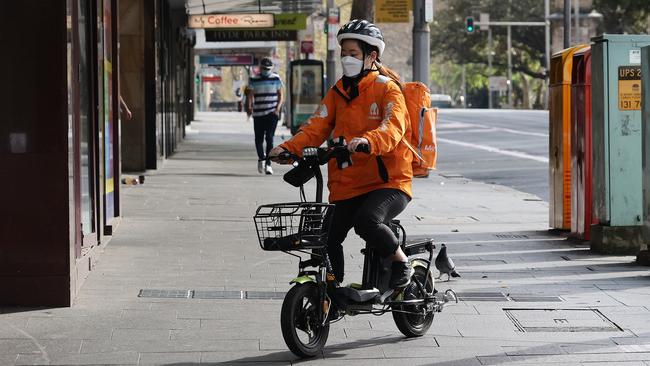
(264, 130)
(369, 214)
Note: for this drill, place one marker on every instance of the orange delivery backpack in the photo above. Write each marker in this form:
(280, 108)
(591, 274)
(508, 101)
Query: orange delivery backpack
(423, 127)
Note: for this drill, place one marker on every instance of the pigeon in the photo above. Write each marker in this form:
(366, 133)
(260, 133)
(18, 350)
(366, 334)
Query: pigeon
(444, 264)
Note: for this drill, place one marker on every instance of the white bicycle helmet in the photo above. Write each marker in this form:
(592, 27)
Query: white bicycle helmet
(362, 30)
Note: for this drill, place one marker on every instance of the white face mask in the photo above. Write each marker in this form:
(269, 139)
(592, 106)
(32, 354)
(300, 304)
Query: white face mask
(352, 66)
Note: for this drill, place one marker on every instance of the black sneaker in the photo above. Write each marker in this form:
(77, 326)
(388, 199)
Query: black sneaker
(401, 273)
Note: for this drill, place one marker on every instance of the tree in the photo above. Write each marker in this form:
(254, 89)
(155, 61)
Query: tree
(624, 16)
(449, 38)
(363, 9)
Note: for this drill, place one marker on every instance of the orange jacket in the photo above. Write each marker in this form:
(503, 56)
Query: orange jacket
(379, 114)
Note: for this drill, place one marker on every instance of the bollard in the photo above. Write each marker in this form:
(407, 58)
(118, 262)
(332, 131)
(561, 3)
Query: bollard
(616, 132)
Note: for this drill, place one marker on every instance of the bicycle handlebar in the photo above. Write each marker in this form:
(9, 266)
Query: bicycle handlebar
(323, 155)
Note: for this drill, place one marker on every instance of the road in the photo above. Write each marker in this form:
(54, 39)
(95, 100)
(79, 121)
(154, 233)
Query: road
(506, 147)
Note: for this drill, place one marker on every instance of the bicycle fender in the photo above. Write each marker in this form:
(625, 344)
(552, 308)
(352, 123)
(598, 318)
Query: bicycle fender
(420, 262)
(302, 280)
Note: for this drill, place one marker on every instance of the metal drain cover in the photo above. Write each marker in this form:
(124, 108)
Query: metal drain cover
(534, 298)
(166, 294)
(511, 236)
(265, 295)
(561, 320)
(217, 295)
(481, 296)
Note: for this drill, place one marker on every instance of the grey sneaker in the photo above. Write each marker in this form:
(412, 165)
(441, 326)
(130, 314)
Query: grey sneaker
(260, 166)
(400, 276)
(268, 170)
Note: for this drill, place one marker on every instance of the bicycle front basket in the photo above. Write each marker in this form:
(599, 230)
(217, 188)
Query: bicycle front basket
(292, 226)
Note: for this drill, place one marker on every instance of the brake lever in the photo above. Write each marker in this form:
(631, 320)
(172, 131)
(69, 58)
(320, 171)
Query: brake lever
(287, 156)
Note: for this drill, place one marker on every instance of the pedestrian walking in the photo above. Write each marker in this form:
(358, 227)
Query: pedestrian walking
(264, 102)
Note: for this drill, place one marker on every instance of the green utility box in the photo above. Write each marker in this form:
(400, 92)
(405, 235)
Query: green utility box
(617, 172)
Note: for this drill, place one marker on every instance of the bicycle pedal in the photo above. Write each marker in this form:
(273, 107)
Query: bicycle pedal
(386, 295)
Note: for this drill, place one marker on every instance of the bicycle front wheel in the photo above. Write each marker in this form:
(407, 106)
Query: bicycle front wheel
(301, 328)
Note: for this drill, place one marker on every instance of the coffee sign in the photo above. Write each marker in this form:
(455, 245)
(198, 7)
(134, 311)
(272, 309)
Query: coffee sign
(232, 21)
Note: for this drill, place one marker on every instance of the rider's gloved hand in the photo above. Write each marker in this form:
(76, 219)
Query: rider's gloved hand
(352, 145)
(276, 155)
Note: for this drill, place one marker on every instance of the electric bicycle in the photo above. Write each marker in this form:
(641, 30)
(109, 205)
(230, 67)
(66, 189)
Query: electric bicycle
(316, 299)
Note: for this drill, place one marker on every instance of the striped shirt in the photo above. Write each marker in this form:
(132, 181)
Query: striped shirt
(265, 94)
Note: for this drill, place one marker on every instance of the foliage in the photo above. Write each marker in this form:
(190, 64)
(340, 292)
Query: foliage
(449, 38)
(624, 16)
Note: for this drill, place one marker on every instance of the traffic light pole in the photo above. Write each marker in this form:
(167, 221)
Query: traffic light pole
(420, 43)
(489, 66)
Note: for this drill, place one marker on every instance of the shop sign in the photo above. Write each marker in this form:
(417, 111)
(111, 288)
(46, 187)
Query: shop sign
(250, 35)
(392, 11)
(226, 60)
(333, 18)
(307, 47)
(211, 78)
(231, 21)
(290, 21)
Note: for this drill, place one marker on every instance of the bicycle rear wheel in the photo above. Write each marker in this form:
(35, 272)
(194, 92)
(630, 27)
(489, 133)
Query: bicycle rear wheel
(415, 325)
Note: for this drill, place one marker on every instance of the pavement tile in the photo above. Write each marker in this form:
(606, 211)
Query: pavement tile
(120, 334)
(147, 358)
(157, 346)
(354, 350)
(97, 327)
(223, 333)
(643, 340)
(13, 327)
(49, 346)
(8, 358)
(249, 357)
(534, 350)
(111, 358)
(618, 363)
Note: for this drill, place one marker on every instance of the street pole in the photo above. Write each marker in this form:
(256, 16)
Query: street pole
(567, 23)
(330, 67)
(576, 13)
(489, 66)
(509, 67)
(420, 43)
(547, 46)
(464, 86)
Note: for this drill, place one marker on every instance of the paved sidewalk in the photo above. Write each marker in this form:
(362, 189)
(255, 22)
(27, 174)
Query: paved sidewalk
(529, 297)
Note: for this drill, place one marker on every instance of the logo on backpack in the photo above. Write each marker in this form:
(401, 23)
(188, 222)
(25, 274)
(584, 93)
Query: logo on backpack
(374, 112)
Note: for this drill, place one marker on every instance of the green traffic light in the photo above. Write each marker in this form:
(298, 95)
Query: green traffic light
(469, 24)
